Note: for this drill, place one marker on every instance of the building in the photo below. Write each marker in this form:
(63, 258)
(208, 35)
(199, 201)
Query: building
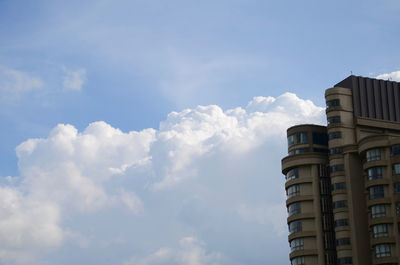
(343, 179)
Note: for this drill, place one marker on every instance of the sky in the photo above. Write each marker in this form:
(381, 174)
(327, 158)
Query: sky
(151, 132)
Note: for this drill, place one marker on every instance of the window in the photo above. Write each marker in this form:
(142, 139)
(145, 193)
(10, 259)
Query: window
(339, 186)
(298, 138)
(297, 244)
(295, 227)
(339, 204)
(320, 138)
(294, 208)
(320, 150)
(374, 173)
(298, 261)
(398, 208)
(336, 150)
(373, 155)
(292, 174)
(396, 169)
(333, 103)
(376, 192)
(341, 222)
(382, 250)
(325, 186)
(378, 211)
(395, 150)
(397, 188)
(343, 241)
(380, 230)
(293, 190)
(334, 135)
(337, 168)
(346, 260)
(334, 119)
(298, 151)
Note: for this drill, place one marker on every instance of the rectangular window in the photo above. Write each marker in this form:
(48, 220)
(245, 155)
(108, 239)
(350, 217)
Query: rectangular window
(378, 211)
(382, 250)
(334, 119)
(376, 192)
(397, 188)
(294, 227)
(373, 155)
(340, 204)
(293, 190)
(343, 241)
(294, 208)
(395, 150)
(334, 135)
(346, 260)
(324, 186)
(297, 261)
(292, 174)
(335, 151)
(396, 169)
(297, 244)
(339, 186)
(298, 151)
(374, 173)
(380, 230)
(337, 168)
(320, 138)
(298, 138)
(341, 222)
(333, 103)
(398, 209)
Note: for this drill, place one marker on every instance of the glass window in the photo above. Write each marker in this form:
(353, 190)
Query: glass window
(395, 150)
(340, 204)
(320, 150)
(374, 173)
(343, 241)
(376, 192)
(341, 222)
(298, 261)
(292, 174)
(298, 151)
(373, 154)
(378, 211)
(396, 169)
(333, 103)
(297, 138)
(320, 138)
(334, 119)
(398, 208)
(339, 186)
(294, 227)
(382, 250)
(346, 260)
(380, 230)
(337, 168)
(334, 135)
(397, 188)
(336, 150)
(293, 190)
(294, 208)
(297, 244)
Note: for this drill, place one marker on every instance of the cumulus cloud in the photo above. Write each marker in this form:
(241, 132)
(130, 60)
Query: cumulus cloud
(14, 83)
(394, 76)
(206, 171)
(74, 79)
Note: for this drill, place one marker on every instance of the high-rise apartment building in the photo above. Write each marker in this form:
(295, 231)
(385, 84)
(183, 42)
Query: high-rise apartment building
(343, 179)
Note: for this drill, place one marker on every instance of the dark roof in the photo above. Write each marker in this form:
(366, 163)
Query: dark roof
(350, 81)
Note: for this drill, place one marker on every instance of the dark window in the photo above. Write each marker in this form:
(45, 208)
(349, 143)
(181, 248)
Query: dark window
(342, 241)
(382, 250)
(396, 169)
(295, 227)
(333, 103)
(320, 150)
(339, 186)
(320, 138)
(398, 208)
(297, 261)
(292, 174)
(374, 173)
(337, 168)
(335, 151)
(341, 222)
(297, 244)
(397, 187)
(343, 261)
(376, 192)
(334, 135)
(325, 186)
(378, 211)
(298, 138)
(293, 190)
(334, 119)
(326, 204)
(298, 151)
(294, 208)
(380, 230)
(373, 155)
(395, 150)
(340, 204)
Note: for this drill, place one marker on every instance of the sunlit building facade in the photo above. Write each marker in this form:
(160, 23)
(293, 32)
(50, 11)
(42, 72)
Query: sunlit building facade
(343, 179)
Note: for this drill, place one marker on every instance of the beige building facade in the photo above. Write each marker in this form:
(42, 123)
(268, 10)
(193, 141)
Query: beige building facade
(343, 179)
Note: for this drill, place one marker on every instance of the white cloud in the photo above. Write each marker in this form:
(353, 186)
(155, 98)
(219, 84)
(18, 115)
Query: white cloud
(394, 76)
(14, 83)
(204, 170)
(74, 79)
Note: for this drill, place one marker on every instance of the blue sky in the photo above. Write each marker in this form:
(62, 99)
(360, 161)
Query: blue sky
(143, 67)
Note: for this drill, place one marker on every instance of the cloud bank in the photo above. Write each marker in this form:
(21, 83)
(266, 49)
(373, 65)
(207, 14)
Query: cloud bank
(394, 76)
(204, 188)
